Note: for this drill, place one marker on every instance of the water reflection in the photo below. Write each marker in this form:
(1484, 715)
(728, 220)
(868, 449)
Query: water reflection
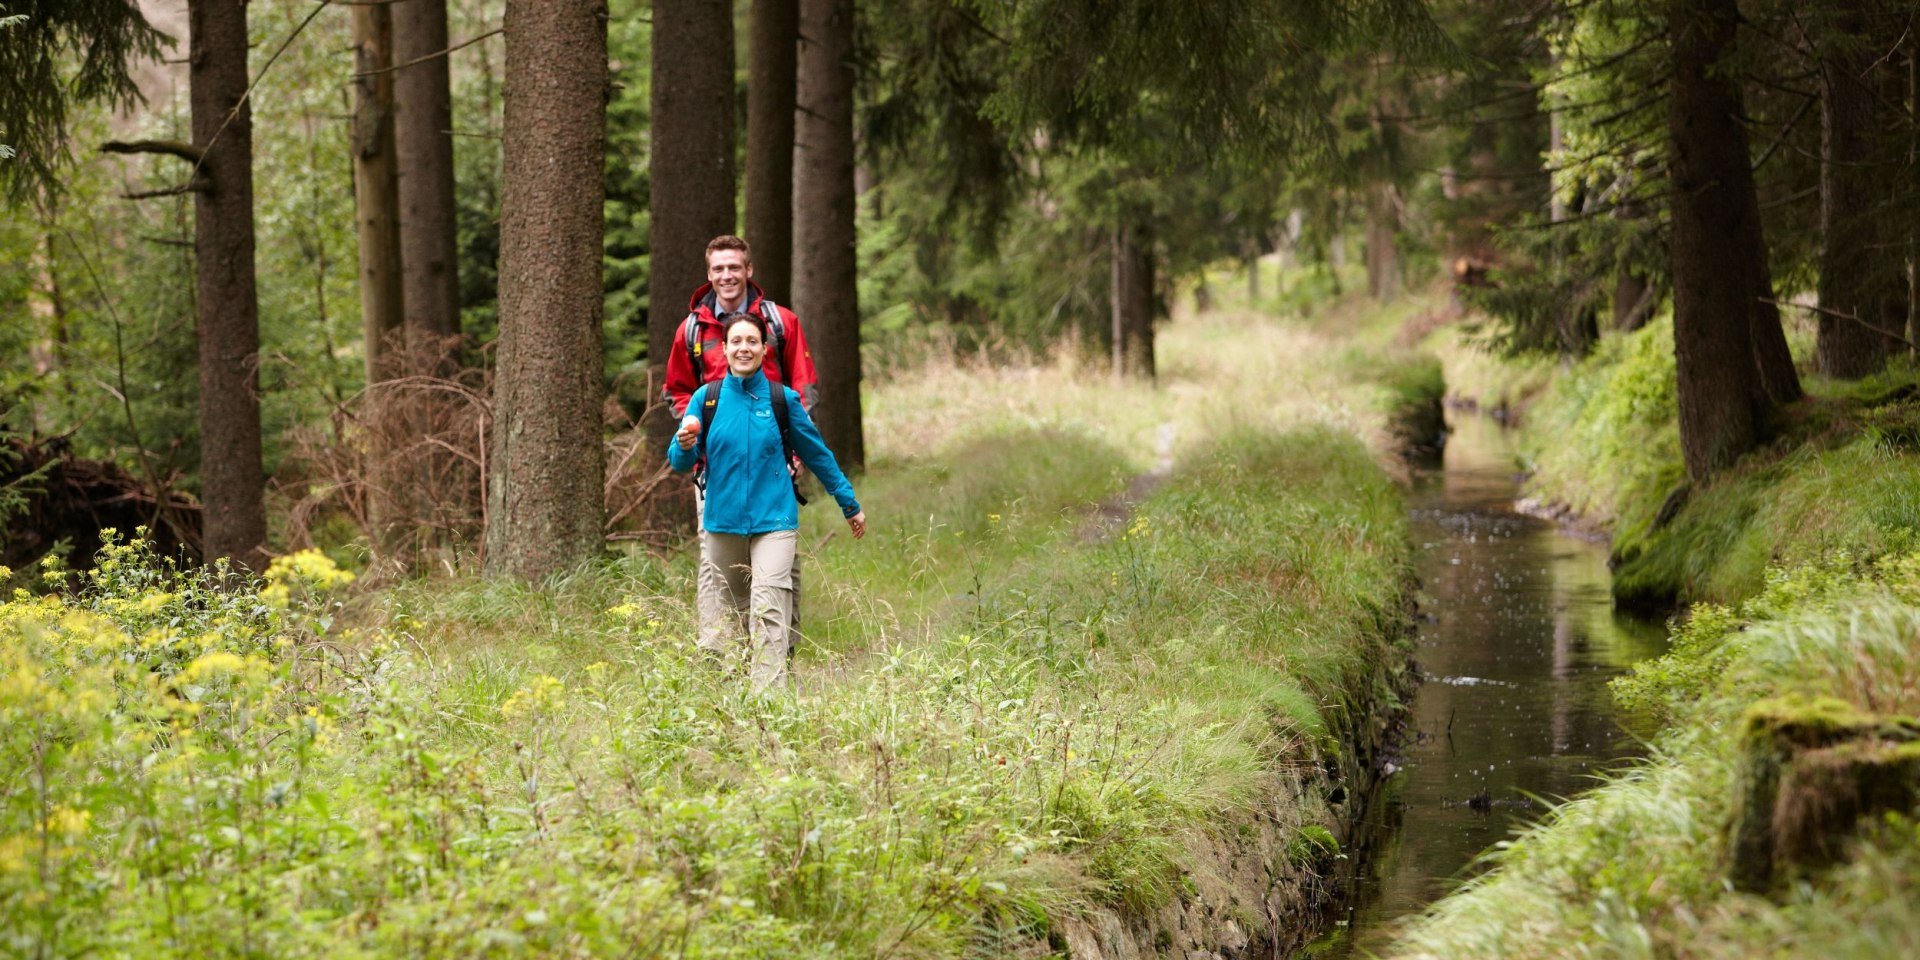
(1518, 640)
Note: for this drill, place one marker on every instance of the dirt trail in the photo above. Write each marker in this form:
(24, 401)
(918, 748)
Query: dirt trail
(1115, 512)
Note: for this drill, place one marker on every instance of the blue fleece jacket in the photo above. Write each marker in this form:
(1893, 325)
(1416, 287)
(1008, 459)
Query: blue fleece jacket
(748, 488)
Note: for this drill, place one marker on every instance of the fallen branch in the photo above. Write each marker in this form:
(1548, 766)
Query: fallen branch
(434, 55)
(171, 148)
(196, 185)
(1840, 316)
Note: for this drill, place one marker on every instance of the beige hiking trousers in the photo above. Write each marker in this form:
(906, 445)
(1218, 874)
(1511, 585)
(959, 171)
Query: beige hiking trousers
(746, 592)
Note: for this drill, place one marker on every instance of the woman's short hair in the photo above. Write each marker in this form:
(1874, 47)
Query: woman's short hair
(746, 316)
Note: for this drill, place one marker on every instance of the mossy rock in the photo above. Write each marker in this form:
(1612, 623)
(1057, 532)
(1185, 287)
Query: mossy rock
(1809, 768)
(1823, 793)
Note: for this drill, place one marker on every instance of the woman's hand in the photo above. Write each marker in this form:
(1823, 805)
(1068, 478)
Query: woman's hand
(689, 430)
(858, 524)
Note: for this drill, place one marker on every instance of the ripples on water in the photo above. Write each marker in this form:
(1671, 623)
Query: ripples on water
(1517, 639)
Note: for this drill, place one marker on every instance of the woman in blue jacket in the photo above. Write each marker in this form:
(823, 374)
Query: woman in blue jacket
(749, 528)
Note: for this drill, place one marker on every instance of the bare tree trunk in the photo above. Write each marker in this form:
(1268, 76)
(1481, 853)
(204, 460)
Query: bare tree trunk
(1383, 254)
(1719, 254)
(375, 187)
(1133, 275)
(545, 505)
(423, 138)
(824, 290)
(382, 314)
(227, 307)
(1856, 272)
(1913, 190)
(772, 61)
(1253, 281)
(691, 165)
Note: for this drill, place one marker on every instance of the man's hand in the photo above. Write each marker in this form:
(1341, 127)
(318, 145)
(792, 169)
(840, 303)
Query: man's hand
(858, 524)
(689, 431)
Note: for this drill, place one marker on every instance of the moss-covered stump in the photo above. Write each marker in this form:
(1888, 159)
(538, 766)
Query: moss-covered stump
(1809, 770)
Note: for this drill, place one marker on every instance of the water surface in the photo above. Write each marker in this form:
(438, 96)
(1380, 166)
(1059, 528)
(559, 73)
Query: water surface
(1517, 640)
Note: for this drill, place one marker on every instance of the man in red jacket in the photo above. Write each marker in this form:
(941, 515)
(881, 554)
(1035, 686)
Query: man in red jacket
(697, 357)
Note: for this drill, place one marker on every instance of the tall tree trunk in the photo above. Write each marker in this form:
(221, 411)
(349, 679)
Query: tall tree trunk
(227, 307)
(774, 35)
(1913, 190)
(377, 215)
(1133, 274)
(375, 187)
(423, 141)
(691, 165)
(545, 505)
(1719, 254)
(1856, 272)
(824, 291)
(1383, 254)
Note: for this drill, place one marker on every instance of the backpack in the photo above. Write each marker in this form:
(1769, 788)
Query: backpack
(776, 337)
(710, 400)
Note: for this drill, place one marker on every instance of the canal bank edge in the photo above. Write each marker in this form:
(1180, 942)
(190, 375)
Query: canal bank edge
(1266, 883)
(1601, 451)
(1268, 880)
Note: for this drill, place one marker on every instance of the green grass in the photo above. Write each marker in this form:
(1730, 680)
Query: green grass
(1601, 438)
(1640, 866)
(997, 722)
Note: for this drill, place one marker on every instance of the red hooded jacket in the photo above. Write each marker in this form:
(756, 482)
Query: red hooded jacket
(793, 366)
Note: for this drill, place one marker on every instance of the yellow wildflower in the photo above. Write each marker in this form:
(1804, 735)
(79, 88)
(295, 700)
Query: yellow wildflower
(540, 696)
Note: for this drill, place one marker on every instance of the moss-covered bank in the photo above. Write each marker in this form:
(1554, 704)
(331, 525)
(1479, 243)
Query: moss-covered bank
(1602, 450)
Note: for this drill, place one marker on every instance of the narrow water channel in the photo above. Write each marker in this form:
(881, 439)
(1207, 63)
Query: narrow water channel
(1517, 640)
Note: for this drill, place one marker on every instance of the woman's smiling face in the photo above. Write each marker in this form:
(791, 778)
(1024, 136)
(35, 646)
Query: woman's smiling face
(745, 349)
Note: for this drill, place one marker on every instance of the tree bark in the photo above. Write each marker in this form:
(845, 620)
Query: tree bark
(691, 165)
(1383, 254)
(1860, 261)
(227, 307)
(1133, 275)
(545, 505)
(1719, 253)
(774, 34)
(824, 290)
(375, 187)
(423, 141)
(382, 313)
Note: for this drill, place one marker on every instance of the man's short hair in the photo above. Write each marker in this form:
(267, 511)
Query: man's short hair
(728, 241)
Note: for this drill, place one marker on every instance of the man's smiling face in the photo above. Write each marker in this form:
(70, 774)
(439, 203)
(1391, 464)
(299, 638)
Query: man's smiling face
(729, 271)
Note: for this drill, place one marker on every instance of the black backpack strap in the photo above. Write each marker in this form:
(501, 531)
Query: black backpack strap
(692, 324)
(709, 399)
(784, 418)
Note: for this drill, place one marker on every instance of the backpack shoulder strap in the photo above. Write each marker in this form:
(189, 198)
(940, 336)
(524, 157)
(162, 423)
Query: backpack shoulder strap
(776, 334)
(783, 417)
(709, 399)
(692, 325)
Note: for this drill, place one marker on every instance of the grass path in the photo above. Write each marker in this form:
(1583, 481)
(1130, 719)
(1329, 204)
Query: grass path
(997, 728)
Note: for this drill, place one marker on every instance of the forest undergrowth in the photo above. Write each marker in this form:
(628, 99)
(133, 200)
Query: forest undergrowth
(995, 724)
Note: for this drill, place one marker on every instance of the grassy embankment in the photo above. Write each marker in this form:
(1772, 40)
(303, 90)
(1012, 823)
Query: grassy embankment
(1775, 816)
(1601, 441)
(997, 725)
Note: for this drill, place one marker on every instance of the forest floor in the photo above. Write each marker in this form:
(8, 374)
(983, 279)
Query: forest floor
(1003, 736)
(1775, 815)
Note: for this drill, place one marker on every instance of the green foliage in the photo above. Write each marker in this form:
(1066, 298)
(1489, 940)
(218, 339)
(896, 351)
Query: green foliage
(58, 55)
(1604, 439)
